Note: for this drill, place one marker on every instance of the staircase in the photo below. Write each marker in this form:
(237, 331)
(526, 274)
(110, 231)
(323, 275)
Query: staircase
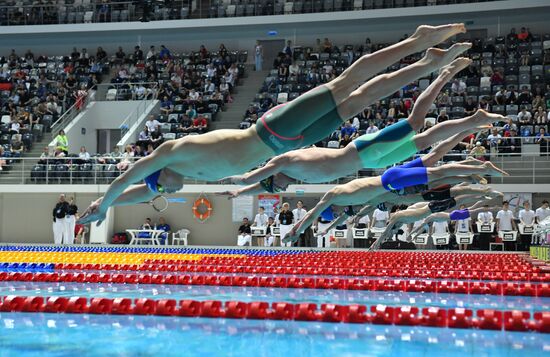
(233, 116)
(19, 172)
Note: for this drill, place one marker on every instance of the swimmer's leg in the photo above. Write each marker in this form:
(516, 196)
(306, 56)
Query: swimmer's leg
(371, 64)
(451, 127)
(386, 84)
(437, 173)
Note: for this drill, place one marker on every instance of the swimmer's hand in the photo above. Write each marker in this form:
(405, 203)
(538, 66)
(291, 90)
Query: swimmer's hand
(292, 236)
(235, 180)
(93, 213)
(230, 194)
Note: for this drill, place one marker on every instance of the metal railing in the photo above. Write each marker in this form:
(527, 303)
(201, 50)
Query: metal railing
(523, 168)
(95, 11)
(71, 113)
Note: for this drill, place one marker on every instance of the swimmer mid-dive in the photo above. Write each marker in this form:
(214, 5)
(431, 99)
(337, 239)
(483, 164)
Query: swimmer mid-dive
(301, 122)
(361, 191)
(392, 144)
(455, 215)
(423, 210)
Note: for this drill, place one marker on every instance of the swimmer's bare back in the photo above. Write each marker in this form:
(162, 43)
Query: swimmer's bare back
(217, 154)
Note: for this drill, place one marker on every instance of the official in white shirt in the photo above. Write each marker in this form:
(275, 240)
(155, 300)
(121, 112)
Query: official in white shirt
(506, 223)
(485, 237)
(542, 212)
(527, 219)
(260, 220)
(380, 218)
(463, 226)
(299, 212)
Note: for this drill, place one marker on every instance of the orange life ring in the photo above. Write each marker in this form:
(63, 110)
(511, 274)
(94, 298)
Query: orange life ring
(207, 212)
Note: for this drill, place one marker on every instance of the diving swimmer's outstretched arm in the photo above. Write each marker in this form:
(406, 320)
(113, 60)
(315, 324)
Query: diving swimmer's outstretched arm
(272, 167)
(247, 190)
(140, 170)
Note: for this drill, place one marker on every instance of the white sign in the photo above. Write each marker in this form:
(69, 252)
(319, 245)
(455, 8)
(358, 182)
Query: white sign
(243, 207)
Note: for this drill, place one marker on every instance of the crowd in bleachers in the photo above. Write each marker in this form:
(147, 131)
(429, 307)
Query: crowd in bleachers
(192, 89)
(35, 90)
(27, 12)
(510, 75)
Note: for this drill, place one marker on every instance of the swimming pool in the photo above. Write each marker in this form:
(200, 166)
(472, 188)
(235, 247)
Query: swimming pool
(93, 335)
(100, 291)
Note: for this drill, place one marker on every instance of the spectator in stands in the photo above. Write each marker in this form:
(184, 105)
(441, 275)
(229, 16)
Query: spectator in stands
(524, 35)
(501, 96)
(443, 99)
(497, 79)
(44, 156)
(458, 87)
(62, 142)
(144, 138)
(512, 37)
(139, 152)
(3, 162)
(540, 116)
(512, 143)
(59, 223)
(442, 117)
(15, 126)
(470, 72)
(244, 237)
(542, 139)
(164, 53)
(525, 97)
(524, 116)
(126, 158)
(151, 54)
(17, 147)
(100, 54)
(344, 141)
(200, 124)
(470, 107)
(166, 106)
(495, 140)
(287, 50)
(163, 226)
(371, 128)
(348, 130)
(152, 124)
(478, 152)
(258, 56)
(538, 102)
(486, 69)
(542, 212)
(83, 155)
(509, 126)
(327, 46)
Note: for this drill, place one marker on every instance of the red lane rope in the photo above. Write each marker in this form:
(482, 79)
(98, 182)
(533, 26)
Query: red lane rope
(377, 314)
(430, 286)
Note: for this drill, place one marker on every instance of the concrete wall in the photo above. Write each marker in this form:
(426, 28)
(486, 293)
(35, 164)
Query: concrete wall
(26, 217)
(240, 33)
(98, 115)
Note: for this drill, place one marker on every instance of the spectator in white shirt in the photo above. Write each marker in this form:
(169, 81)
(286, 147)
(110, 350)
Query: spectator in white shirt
(293, 69)
(210, 70)
(458, 87)
(15, 126)
(151, 53)
(193, 94)
(261, 218)
(372, 128)
(83, 154)
(209, 87)
(542, 212)
(152, 124)
(356, 123)
(524, 116)
(505, 218)
(379, 218)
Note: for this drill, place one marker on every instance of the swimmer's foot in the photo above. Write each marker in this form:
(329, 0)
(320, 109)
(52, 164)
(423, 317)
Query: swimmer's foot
(432, 35)
(449, 71)
(437, 58)
(481, 118)
(478, 179)
(492, 170)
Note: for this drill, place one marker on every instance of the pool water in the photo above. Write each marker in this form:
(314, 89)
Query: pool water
(41, 335)
(249, 294)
